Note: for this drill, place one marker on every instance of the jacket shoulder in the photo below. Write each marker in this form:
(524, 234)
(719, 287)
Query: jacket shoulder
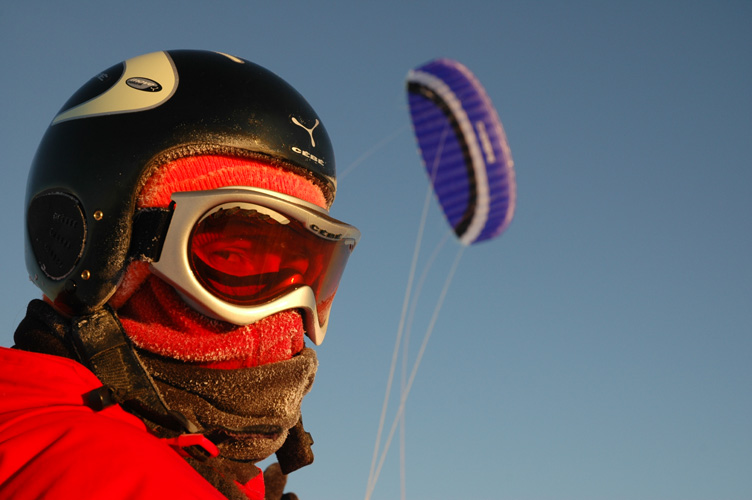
(53, 446)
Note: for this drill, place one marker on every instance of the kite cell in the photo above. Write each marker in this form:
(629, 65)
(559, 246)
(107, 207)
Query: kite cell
(464, 149)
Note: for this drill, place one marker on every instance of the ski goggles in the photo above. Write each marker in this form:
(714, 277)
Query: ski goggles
(240, 254)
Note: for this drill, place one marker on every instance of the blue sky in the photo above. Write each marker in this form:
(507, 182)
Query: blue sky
(600, 349)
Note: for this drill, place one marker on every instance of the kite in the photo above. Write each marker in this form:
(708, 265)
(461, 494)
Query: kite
(464, 149)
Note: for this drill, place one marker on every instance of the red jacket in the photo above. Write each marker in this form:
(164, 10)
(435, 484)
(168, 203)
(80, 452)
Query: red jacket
(53, 446)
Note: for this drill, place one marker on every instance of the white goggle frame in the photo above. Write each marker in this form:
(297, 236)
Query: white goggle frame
(191, 207)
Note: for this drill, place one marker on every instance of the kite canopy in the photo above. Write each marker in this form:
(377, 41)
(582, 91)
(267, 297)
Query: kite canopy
(464, 149)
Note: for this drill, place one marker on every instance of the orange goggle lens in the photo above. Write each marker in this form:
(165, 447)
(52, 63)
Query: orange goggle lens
(247, 257)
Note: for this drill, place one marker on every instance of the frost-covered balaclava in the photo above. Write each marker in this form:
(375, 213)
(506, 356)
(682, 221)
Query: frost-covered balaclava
(242, 385)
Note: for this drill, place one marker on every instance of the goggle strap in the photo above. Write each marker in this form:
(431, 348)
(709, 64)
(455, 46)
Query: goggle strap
(148, 234)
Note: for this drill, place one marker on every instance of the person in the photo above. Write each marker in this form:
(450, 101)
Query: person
(177, 224)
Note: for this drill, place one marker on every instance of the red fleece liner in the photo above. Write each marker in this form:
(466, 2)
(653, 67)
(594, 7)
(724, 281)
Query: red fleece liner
(154, 316)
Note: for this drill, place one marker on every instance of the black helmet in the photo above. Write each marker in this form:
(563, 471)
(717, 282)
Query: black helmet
(126, 122)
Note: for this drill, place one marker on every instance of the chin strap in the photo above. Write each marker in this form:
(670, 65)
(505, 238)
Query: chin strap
(101, 344)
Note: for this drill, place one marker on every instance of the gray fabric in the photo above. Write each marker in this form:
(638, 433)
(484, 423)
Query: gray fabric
(248, 411)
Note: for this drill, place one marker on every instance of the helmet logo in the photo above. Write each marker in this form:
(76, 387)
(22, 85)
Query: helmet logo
(121, 98)
(144, 84)
(309, 130)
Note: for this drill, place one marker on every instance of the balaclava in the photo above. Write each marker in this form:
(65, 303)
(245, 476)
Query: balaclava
(244, 384)
(157, 320)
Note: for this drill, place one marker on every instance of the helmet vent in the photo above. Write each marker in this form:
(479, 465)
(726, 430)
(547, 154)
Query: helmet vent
(57, 233)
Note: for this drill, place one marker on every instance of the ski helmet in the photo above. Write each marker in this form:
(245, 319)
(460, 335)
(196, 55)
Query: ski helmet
(126, 122)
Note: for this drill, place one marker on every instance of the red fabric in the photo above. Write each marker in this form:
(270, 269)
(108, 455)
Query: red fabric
(156, 319)
(254, 489)
(199, 173)
(52, 446)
